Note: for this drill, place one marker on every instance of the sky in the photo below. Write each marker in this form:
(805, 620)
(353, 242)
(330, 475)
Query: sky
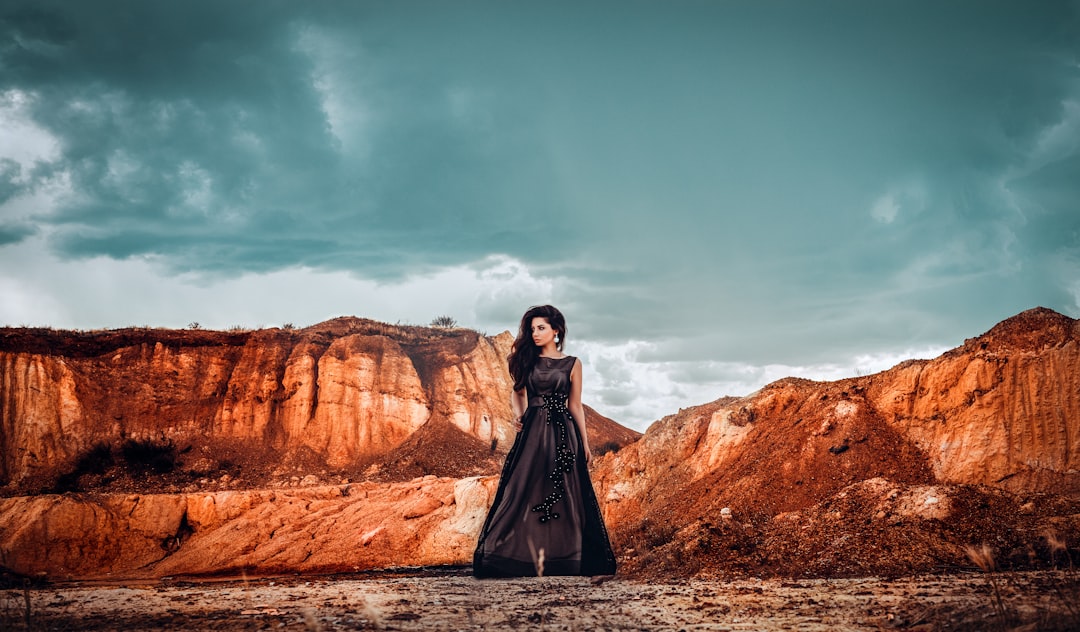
(716, 194)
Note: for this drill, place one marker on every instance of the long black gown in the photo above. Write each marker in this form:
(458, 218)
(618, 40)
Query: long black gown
(545, 501)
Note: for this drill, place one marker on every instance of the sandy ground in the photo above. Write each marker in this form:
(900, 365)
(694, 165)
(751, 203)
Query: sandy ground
(450, 599)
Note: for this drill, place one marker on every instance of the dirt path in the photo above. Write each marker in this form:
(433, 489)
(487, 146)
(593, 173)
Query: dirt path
(452, 600)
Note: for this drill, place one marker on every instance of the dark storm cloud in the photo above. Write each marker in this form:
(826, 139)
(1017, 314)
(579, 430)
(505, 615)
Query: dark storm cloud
(931, 115)
(14, 233)
(177, 123)
(196, 129)
(10, 172)
(748, 181)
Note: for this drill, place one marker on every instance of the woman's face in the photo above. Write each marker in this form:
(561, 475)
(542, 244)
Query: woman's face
(542, 333)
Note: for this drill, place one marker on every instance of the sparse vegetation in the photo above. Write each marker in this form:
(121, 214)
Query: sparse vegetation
(288, 327)
(1058, 614)
(102, 464)
(610, 446)
(444, 322)
(144, 456)
(95, 461)
(983, 557)
(194, 325)
(1057, 549)
(15, 608)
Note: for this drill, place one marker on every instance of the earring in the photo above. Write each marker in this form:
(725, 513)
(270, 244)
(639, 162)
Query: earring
(556, 338)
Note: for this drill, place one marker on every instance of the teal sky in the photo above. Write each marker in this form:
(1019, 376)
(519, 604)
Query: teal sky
(717, 194)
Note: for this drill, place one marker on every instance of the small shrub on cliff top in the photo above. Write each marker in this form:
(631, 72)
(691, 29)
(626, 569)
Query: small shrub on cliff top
(444, 322)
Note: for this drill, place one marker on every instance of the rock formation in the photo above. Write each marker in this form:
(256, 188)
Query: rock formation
(355, 445)
(1002, 411)
(337, 397)
(349, 527)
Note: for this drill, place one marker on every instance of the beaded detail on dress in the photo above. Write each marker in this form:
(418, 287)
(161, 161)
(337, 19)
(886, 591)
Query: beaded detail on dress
(564, 456)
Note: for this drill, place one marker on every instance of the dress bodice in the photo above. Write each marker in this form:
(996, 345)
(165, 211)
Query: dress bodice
(550, 375)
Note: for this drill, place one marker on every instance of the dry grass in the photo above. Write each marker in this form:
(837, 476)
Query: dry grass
(1056, 614)
(16, 609)
(983, 557)
(371, 614)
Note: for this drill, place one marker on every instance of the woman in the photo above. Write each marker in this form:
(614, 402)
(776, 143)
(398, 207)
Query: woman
(545, 519)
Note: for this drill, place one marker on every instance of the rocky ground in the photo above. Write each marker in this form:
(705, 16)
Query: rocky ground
(450, 599)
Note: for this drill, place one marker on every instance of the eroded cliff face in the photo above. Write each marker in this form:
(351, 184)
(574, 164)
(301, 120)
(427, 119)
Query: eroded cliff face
(344, 392)
(1002, 411)
(38, 409)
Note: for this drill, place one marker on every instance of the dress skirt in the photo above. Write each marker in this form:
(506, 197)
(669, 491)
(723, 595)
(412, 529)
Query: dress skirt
(545, 519)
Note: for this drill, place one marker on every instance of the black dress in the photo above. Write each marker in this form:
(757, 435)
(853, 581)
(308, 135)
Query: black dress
(545, 508)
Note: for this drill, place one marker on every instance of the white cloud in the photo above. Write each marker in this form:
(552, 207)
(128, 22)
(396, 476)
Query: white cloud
(1055, 143)
(38, 288)
(507, 288)
(635, 392)
(23, 304)
(340, 77)
(909, 198)
(1065, 266)
(21, 139)
(620, 381)
(885, 209)
(1058, 141)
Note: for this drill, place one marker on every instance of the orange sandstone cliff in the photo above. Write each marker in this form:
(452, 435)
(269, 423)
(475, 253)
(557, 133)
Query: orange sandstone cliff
(341, 393)
(893, 472)
(334, 400)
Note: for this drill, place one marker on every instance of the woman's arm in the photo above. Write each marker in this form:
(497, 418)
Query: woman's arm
(577, 410)
(519, 401)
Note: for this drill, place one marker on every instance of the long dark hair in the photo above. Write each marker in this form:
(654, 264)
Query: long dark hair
(523, 354)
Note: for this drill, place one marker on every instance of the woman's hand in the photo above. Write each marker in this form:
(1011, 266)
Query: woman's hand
(519, 404)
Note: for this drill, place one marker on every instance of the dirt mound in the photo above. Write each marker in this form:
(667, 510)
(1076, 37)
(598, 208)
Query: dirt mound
(810, 440)
(877, 527)
(1031, 330)
(440, 449)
